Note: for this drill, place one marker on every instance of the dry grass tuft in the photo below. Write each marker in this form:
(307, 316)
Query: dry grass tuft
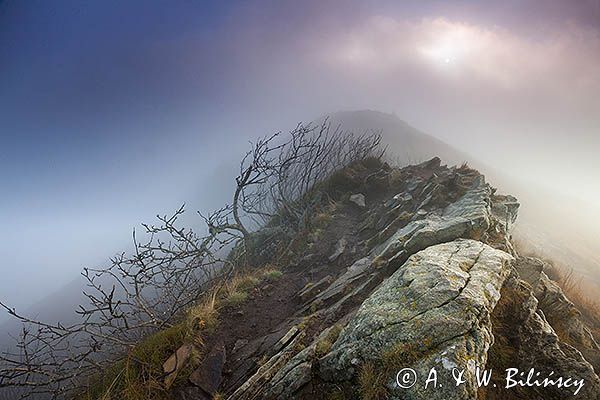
(581, 295)
(138, 376)
(236, 298)
(272, 274)
(204, 316)
(371, 383)
(465, 167)
(324, 345)
(235, 291)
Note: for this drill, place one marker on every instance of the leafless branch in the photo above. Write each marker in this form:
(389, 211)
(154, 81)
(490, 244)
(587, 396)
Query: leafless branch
(171, 267)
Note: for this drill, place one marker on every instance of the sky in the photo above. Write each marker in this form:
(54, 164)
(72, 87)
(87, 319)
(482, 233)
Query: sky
(112, 111)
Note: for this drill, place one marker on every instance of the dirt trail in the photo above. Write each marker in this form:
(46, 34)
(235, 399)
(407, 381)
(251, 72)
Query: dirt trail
(272, 306)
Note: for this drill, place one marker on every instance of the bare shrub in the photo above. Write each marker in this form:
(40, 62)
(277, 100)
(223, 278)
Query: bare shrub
(159, 283)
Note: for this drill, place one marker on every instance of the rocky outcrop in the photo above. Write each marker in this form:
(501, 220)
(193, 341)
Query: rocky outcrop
(560, 312)
(424, 276)
(437, 304)
(530, 341)
(469, 217)
(434, 310)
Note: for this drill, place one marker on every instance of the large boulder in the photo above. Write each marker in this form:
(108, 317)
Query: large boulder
(440, 300)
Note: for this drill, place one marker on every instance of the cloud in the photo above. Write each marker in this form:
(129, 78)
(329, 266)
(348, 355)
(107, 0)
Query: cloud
(564, 58)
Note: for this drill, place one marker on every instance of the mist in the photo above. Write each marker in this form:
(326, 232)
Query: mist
(112, 113)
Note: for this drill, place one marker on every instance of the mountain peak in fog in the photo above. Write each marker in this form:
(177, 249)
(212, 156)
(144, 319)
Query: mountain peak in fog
(407, 144)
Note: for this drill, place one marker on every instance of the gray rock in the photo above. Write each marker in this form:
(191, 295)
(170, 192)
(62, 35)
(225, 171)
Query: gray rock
(243, 363)
(358, 199)
(297, 372)
(506, 209)
(433, 164)
(440, 299)
(355, 273)
(413, 185)
(559, 311)
(340, 247)
(537, 346)
(238, 345)
(310, 290)
(426, 287)
(285, 385)
(398, 199)
(263, 379)
(469, 217)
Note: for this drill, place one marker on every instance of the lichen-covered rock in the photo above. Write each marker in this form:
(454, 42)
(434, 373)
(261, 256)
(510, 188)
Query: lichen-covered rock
(440, 299)
(469, 217)
(533, 343)
(560, 312)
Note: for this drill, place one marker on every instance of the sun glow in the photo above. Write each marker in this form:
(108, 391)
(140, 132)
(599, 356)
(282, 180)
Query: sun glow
(448, 43)
(461, 50)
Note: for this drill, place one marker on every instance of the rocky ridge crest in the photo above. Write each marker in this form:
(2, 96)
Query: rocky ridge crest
(416, 270)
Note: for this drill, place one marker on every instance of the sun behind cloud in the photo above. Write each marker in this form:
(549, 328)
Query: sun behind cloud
(492, 55)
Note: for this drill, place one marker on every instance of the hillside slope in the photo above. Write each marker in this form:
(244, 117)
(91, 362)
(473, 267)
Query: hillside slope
(410, 268)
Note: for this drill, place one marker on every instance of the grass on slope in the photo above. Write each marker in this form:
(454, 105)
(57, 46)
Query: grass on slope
(139, 375)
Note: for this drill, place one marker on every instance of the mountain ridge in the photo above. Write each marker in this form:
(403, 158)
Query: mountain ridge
(358, 289)
(434, 251)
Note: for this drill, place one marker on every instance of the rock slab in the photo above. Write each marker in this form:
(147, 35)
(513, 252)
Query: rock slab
(438, 303)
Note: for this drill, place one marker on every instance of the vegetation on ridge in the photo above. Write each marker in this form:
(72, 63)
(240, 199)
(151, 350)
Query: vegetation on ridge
(140, 375)
(144, 297)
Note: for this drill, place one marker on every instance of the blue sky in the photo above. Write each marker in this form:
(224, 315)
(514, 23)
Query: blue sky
(113, 111)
